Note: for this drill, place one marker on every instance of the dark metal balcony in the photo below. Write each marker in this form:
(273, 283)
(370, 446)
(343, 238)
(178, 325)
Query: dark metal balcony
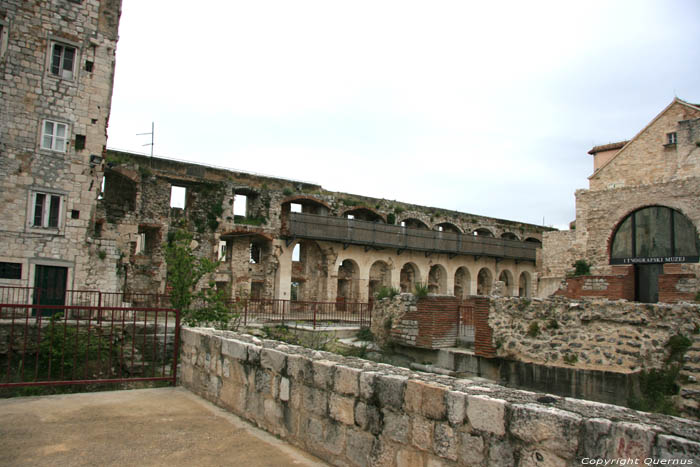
(378, 235)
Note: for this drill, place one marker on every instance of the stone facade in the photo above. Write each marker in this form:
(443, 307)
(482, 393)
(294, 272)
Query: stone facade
(593, 333)
(354, 412)
(56, 75)
(259, 240)
(648, 170)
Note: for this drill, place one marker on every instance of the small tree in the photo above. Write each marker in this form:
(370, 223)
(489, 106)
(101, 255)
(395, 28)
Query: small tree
(185, 270)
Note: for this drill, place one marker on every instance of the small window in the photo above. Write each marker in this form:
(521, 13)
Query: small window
(222, 251)
(79, 142)
(295, 207)
(54, 136)
(74, 214)
(296, 253)
(351, 216)
(47, 210)
(254, 253)
(440, 228)
(88, 65)
(177, 196)
(10, 270)
(62, 60)
(671, 138)
(240, 205)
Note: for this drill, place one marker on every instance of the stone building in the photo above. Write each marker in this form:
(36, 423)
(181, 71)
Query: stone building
(286, 239)
(56, 75)
(637, 223)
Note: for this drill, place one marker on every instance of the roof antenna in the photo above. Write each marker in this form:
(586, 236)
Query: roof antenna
(152, 133)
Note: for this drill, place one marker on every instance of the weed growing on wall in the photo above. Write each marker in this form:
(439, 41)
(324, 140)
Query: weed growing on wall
(533, 330)
(658, 385)
(386, 292)
(420, 290)
(582, 268)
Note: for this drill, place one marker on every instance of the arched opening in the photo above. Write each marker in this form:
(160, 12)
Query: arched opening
(650, 237)
(533, 240)
(509, 236)
(482, 232)
(379, 276)
(524, 285)
(348, 281)
(301, 205)
(447, 227)
(413, 223)
(507, 278)
(409, 277)
(363, 214)
(437, 279)
(484, 282)
(310, 271)
(462, 283)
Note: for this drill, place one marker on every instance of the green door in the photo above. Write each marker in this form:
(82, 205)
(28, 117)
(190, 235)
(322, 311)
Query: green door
(50, 286)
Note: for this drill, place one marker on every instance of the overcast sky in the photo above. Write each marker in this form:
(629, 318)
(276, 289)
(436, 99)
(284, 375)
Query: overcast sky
(482, 107)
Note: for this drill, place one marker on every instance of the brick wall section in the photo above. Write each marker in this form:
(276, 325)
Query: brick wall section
(432, 324)
(483, 334)
(610, 287)
(677, 287)
(354, 412)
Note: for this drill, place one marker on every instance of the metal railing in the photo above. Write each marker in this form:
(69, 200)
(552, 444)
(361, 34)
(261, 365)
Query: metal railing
(317, 314)
(65, 345)
(465, 331)
(377, 234)
(95, 298)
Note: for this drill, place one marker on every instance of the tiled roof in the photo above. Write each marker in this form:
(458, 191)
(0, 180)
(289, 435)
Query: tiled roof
(607, 147)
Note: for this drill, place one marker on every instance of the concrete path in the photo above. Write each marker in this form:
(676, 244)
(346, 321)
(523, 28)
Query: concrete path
(146, 427)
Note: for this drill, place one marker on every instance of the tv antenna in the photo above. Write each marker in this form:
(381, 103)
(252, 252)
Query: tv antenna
(151, 144)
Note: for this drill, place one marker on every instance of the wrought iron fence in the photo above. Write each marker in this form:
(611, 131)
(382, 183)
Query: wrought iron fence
(44, 345)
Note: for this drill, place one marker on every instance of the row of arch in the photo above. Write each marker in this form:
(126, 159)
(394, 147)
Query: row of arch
(380, 275)
(312, 206)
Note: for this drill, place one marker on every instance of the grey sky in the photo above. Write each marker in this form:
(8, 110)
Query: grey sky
(482, 107)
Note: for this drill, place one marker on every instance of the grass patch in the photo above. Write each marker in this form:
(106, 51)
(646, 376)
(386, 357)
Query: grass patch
(420, 290)
(533, 330)
(386, 292)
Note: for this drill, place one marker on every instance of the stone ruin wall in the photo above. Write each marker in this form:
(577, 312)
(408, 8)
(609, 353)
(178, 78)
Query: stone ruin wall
(137, 199)
(349, 411)
(601, 334)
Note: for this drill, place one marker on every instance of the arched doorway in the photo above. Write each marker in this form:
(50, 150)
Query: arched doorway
(409, 277)
(462, 283)
(348, 281)
(484, 281)
(437, 279)
(507, 278)
(524, 285)
(379, 276)
(650, 237)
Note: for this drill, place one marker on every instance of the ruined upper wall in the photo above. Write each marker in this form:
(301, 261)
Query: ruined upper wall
(266, 195)
(649, 158)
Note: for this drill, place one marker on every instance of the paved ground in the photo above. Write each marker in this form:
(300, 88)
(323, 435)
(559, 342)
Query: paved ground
(145, 427)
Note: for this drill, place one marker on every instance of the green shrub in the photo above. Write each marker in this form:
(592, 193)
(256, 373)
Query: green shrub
(697, 296)
(386, 292)
(420, 290)
(287, 191)
(570, 358)
(102, 254)
(552, 324)
(582, 268)
(656, 387)
(391, 218)
(523, 304)
(365, 334)
(678, 345)
(533, 330)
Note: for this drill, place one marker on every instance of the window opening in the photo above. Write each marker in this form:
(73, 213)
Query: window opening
(75, 214)
(177, 196)
(295, 207)
(62, 60)
(222, 250)
(79, 142)
(240, 203)
(101, 195)
(671, 138)
(47, 209)
(54, 136)
(296, 253)
(254, 253)
(294, 292)
(10, 270)
(351, 216)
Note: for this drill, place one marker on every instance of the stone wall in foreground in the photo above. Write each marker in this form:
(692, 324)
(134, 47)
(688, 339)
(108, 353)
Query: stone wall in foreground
(354, 412)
